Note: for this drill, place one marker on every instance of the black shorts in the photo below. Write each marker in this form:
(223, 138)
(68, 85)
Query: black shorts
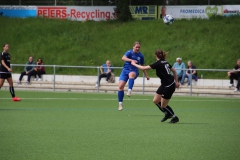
(166, 92)
(5, 75)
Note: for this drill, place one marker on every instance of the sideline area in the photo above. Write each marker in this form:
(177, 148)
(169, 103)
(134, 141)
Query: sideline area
(80, 83)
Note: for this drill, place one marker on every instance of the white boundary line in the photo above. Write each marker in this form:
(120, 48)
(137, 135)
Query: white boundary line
(82, 99)
(115, 99)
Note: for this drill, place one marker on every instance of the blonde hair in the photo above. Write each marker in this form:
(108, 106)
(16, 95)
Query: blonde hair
(136, 43)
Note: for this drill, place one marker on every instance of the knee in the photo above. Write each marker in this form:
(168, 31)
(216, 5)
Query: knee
(120, 88)
(155, 101)
(132, 75)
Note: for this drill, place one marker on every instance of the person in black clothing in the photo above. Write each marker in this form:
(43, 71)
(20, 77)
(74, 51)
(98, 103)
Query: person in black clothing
(168, 84)
(234, 74)
(5, 71)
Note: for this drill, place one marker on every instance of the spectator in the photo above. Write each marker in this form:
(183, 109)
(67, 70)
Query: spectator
(235, 75)
(163, 11)
(191, 69)
(39, 69)
(106, 71)
(180, 68)
(28, 70)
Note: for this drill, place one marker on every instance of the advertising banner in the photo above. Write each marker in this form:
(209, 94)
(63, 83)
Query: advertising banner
(189, 12)
(77, 13)
(143, 12)
(18, 11)
(231, 10)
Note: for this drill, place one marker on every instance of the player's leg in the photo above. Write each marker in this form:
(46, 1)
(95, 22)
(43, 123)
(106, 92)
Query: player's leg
(122, 82)
(162, 106)
(169, 112)
(166, 94)
(1, 82)
(11, 89)
(132, 77)
(157, 101)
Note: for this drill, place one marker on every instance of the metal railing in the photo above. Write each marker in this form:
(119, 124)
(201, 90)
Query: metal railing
(98, 73)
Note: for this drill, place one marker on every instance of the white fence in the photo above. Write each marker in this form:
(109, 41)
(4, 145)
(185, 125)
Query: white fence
(54, 77)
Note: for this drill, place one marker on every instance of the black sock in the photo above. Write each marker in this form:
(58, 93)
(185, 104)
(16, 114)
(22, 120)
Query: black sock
(168, 107)
(169, 111)
(159, 107)
(11, 89)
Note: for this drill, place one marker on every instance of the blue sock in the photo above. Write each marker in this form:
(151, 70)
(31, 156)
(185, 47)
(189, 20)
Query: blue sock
(120, 96)
(130, 83)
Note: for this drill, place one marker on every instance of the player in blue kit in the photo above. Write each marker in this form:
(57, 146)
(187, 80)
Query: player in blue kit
(130, 72)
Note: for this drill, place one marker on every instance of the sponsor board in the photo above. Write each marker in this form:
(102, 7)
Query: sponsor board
(189, 12)
(231, 10)
(77, 13)
(143, 12)
(18, 11)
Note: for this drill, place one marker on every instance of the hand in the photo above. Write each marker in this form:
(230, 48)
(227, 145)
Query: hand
(228, 73)
(27, 72)
(177, 84)
(9, 70)
(148, 78)
(133, 62)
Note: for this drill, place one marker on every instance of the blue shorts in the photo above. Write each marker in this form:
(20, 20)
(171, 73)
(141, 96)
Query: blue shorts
(124, 75)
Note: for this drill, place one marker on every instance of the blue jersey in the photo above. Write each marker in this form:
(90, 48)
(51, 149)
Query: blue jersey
(105, 68)
(134, 56)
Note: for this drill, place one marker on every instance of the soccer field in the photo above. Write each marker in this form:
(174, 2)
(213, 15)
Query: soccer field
(66, 125)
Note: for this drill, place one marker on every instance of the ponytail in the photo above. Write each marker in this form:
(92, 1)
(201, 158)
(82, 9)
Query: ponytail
(160, 54)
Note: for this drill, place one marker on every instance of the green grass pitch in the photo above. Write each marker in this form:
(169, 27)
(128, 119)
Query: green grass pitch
(65, 125)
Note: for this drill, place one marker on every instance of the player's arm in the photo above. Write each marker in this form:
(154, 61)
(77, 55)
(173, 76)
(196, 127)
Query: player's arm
(126, 59)
(140, 67)
(146, 75)
(4, 64)
(175, 76)
(143, 68)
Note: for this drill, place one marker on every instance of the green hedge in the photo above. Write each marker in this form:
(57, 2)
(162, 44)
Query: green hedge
(210, 43)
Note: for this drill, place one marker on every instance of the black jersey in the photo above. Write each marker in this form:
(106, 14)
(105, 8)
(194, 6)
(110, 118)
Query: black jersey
(237, 68)
(163, 72)
(6, 58)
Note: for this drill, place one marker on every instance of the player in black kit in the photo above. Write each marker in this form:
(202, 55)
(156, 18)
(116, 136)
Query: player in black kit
(168, 84)
(5, 71)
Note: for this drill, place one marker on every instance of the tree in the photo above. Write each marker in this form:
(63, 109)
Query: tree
(122, 10)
